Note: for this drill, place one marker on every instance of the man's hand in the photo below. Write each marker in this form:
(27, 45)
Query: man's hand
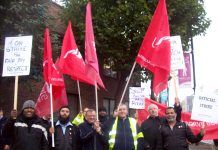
(14, 114)
(51, 130)
(177, 101)
(202, 131)
(6, 147)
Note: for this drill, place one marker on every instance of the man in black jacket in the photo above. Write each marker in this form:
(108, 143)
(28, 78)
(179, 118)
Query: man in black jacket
(150, 127)
(91, 135)
(2, 123)
(66, 134)
(175, 134)
(26, 131)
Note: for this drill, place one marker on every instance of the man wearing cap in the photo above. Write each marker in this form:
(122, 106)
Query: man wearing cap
(26, 131)
(102, 115)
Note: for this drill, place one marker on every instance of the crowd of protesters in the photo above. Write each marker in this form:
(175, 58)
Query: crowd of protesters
(27, 131)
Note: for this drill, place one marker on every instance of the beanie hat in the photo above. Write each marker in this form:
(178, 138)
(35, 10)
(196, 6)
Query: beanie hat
(28, 104)
(102, 109)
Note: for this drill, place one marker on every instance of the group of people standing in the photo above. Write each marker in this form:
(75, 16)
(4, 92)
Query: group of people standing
(26, 131)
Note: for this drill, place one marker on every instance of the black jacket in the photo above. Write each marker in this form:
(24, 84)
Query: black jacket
(90, 138)
(2, 140)
(150, 129)
(67, 141)
(175, 139)
(26, 134)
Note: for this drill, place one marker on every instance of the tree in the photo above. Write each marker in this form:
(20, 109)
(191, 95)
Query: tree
(120, 26)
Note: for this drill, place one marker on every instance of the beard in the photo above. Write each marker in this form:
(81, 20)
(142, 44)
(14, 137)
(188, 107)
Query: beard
(63, 120)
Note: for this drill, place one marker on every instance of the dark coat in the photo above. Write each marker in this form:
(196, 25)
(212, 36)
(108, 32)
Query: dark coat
(176, 138)
(90, 138)
(67, 141)
(2, 140)
(26, 134)
(150, 129)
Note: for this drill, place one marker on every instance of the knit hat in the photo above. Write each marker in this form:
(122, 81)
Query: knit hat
(102, 109)
(28, 104)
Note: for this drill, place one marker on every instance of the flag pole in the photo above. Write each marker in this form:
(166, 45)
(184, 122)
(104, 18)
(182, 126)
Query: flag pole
(175, 85)
(80, 101)
(96, 99)
(124, 91)
(15, 92)
(52, 116)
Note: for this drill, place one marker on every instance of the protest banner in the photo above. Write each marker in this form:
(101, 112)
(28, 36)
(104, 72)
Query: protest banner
(205, 106)
(184, 75)
(177, 59)
(136, 97)
(17, 56)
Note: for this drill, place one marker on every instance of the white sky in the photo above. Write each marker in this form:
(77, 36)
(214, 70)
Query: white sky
(206, 51)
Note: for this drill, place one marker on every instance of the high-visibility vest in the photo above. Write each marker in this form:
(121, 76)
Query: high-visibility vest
(112, 133)
(78, 119)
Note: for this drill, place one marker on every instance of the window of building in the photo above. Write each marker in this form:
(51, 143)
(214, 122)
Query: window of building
(109, 104)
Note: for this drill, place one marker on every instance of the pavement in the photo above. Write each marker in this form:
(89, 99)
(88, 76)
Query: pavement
(203, 146)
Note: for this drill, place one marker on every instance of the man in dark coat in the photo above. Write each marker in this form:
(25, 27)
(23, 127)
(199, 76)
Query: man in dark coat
(66, 134)
(26, 131)
(2, 123)
(91, 135)
(175, 134)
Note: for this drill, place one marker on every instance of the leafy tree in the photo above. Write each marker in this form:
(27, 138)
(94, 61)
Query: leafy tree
(120, 26)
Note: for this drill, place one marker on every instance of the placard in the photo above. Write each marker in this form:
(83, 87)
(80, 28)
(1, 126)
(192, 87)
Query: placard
(177, 59)
(205, 106)
(136, 97)
(17, 56)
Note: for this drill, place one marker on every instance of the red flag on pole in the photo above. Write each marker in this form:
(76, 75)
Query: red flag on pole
(91, 70)
(43, 101)
(71, 61)
(58, 93)
(154, 53)
(47, 62)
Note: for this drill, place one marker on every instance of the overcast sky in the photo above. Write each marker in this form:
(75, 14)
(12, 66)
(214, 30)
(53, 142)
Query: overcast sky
(205, 49)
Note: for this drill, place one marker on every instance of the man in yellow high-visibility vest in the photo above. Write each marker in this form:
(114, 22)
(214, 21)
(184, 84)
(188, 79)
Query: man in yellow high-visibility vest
(122, 133)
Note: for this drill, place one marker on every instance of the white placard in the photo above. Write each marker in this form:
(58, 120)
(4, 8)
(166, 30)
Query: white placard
(205, 106)
(137, 97)
(17, 56)
(177, 58)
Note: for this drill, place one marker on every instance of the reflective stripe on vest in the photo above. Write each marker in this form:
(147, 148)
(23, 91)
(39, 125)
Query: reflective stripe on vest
(112, 133)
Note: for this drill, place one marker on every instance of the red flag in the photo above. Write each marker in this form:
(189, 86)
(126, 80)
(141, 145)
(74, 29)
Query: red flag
(43, 101)
(210, 128)
(47, 62)
(51, 74)
(58, 93)
(71, 61)
(154, 53)
(91, 59)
